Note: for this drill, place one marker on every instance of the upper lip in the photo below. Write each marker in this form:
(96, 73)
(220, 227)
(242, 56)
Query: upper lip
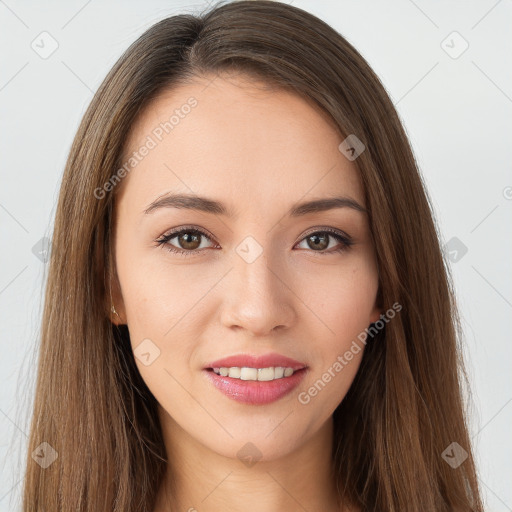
(271, 359)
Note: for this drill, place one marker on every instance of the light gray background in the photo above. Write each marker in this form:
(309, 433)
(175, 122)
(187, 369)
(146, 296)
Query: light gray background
(457, 112)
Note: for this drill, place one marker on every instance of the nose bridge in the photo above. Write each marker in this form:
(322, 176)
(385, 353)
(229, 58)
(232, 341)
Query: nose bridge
(254, 270)
(259, 300)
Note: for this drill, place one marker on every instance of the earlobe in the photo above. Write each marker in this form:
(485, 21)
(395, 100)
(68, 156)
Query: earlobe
(376, 314)
(116, 315)
(115, 318)
(377, 308)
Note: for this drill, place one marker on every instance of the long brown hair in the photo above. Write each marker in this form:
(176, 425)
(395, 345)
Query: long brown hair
(406, 405)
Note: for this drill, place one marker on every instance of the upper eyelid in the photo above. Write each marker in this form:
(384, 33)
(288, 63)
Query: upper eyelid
(317, 229)
(185, 229)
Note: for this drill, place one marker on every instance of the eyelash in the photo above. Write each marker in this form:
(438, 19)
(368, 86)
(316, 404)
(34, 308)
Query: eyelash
(164, 240)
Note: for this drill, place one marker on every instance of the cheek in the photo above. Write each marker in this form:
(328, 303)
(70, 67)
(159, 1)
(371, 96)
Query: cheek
(159, 327)
(325, 389)
(342, 299)
(163, 305)
(155, 295)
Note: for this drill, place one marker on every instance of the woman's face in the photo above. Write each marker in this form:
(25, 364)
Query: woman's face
(257, 275)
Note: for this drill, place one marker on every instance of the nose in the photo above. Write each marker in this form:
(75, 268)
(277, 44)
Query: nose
(258, 297)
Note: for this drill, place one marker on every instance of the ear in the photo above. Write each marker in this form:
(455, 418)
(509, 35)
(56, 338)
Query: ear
(105, 260)
(375, 315)
(119, 316)
(377, 309)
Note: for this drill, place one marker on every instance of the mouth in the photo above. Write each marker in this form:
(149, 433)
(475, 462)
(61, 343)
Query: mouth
(255, 380)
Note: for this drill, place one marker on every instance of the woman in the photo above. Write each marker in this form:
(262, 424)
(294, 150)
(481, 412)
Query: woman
(247, 306)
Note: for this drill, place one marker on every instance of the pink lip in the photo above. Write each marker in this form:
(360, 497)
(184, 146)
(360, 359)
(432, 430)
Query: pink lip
(264, 361)
(255, 392)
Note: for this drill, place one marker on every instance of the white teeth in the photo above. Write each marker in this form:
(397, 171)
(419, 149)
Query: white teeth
(234, 373)
(265, 373)
(248, 374)
(261, 374)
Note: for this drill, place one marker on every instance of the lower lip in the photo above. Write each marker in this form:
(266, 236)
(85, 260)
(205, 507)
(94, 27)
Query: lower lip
(255, 392)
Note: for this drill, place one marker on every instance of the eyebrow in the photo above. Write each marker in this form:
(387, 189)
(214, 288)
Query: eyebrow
(204, 204)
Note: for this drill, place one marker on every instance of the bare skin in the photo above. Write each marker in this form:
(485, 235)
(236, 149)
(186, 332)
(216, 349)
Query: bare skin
(259, 152)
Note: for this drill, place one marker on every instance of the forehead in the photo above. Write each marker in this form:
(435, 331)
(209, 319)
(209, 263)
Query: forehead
(237, 139)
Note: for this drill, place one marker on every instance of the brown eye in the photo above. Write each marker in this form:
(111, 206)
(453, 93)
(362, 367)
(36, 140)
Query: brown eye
(318, 242)
(189, 241)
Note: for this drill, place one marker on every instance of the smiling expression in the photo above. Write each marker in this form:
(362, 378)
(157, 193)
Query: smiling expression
(242, 231)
